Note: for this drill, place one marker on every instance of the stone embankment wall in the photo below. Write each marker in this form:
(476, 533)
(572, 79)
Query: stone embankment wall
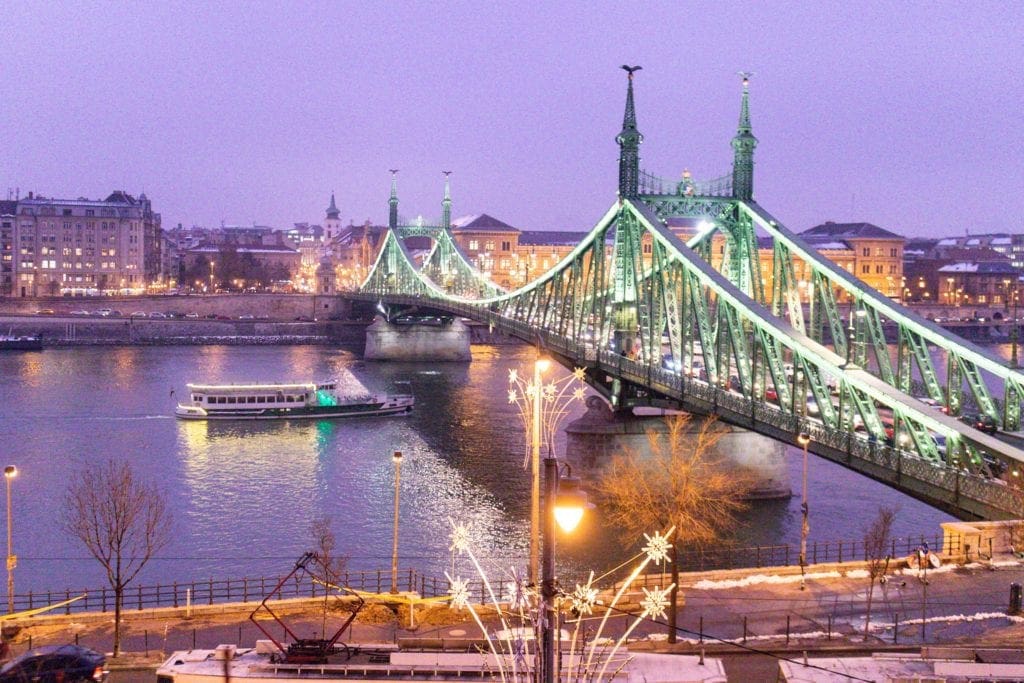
(273, 306)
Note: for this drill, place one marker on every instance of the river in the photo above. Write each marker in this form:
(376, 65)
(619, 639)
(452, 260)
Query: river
(244, 494)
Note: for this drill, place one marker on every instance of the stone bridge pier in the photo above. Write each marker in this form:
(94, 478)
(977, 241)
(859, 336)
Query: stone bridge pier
(444, 340)
(602, 433)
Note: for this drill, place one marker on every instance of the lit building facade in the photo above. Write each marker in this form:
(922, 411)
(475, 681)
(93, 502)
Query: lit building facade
(81, 246)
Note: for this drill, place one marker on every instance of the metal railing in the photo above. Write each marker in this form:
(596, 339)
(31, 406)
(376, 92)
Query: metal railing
(255, 589)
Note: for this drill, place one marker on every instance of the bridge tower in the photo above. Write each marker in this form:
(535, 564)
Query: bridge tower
(629, 140)
(393, 201)
(446, 203)
(743, 145)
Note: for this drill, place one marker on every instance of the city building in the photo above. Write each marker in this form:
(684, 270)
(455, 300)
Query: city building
(8, 211)
(241, 259)
(1009, 245)
(490, 244)
(870, 253)
(80, 246)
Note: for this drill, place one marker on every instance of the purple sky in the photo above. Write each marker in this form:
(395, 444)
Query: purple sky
(901, 114)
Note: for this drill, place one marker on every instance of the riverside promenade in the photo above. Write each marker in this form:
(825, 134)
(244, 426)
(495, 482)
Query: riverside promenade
(749, 618)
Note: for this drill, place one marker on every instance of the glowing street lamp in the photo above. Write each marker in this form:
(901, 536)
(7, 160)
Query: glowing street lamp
(804, 439)
(397, 459)
(564, 503)
(10, 472)
(539, 367)
(212, 263)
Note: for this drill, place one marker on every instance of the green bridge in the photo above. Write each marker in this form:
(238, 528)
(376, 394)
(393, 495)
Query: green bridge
(654, 324)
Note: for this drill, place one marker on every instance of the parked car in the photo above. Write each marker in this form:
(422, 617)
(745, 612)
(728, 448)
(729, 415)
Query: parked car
(981, 422)
(191, 315)
(138, 314)
(247, 316)
(304, 319)
(105, 312)
(79, 312)
(157, 314)
(44, 311)
(56, 664)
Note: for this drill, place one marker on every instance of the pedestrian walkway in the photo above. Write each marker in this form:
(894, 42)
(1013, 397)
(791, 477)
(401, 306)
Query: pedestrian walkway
(726, 613)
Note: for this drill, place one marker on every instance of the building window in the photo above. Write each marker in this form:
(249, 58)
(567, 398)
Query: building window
(878, 270)
(865, 269)
(506, 245)
(866, 251)
(892, 252)
(474, 245)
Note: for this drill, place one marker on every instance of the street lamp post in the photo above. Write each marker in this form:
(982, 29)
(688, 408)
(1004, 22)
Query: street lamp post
(565, 503)
(10, 472)
(397, 458)
(804, 439)
(539, 366)
(212, 264)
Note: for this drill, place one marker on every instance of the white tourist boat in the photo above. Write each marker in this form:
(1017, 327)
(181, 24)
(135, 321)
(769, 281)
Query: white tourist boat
(391, 663)
(284, 402)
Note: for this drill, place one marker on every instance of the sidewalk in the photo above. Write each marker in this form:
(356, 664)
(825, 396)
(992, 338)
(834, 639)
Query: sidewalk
(724, 612)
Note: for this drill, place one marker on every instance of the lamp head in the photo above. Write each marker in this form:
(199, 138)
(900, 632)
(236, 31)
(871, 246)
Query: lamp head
(397, 457)
(570, 503)
(10, 471)
(803, 438)
(542, 364)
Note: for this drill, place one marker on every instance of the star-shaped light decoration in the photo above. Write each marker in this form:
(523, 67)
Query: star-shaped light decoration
(579, 374)
(579, 393)
(459, 591)
(513, 396)
(657, 547)
(519, 595)
(655, 601)
(584, 598)
(520, 653)
(513, 376)
(460, 537)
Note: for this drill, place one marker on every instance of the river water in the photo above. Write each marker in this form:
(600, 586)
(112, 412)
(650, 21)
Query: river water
(243, 494)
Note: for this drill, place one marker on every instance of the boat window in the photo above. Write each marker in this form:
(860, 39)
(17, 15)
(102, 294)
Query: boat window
(232, 399)
(251, 399)
(261, 399)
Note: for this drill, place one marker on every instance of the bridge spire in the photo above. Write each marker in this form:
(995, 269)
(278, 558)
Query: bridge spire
(393, 201)
(743, 145)
(629, 144)
(446, 203)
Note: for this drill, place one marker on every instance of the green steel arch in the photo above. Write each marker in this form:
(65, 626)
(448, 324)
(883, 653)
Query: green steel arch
(654, 323)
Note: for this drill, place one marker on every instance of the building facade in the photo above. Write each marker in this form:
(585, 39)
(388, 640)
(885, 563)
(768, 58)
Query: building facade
(80, 246)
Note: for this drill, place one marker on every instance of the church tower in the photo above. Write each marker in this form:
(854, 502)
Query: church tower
(332, 224)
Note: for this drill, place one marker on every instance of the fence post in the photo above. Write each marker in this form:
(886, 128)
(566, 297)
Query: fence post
(840, 551)
(744, 628)
(896, 628)
(829, 636)
(30, 605)
(67, 607)
(787, 629)
(175, 594)
(701, 629)
(140, 598)
(245, 590)
(210, 599)
(758, 556)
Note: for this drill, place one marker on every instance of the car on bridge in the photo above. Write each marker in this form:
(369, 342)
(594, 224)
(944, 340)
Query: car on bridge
(981, 422)
(56, 664)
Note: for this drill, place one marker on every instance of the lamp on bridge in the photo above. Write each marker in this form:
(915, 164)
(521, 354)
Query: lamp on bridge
(804, 439)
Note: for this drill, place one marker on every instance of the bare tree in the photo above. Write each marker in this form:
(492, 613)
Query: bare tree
(329, 566)
(681, 483)
(121, 520)
(877, 537)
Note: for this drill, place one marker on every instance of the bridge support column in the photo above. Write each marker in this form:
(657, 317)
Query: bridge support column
(417, 342)
(601, 433)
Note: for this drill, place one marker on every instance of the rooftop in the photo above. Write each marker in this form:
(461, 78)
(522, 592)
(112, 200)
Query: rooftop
(481, 222)
(830, 230)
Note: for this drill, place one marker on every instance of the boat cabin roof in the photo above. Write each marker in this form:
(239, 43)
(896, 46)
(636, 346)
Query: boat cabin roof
(256, 388)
